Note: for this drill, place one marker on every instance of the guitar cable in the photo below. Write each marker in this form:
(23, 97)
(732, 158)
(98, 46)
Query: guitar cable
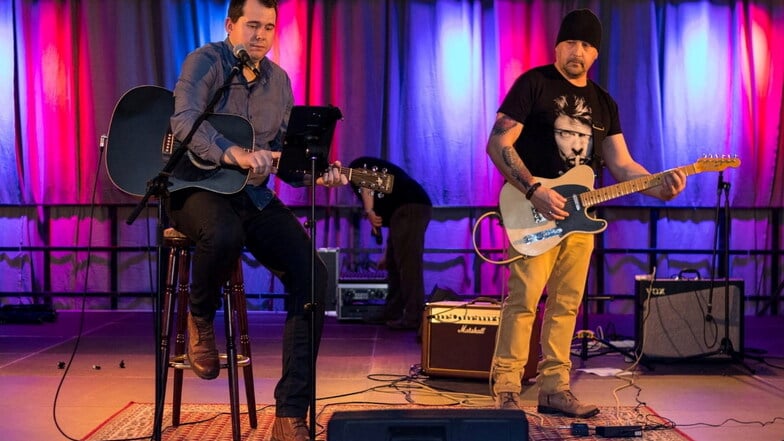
(81, 321)
(476, 247)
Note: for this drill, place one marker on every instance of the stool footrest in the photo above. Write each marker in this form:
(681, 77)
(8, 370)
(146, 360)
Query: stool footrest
(181, 361)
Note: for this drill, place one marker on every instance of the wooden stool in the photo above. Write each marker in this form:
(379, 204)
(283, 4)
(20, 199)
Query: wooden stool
(234, 307)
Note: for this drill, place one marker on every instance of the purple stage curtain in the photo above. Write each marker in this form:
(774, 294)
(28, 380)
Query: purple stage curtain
(417, 81)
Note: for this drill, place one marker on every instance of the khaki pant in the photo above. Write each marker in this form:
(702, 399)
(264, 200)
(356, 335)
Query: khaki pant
(562, 271)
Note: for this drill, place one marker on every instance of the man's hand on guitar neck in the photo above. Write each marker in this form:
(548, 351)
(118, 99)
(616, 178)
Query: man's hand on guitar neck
(549, 203)
(332, 177)
(673, 183)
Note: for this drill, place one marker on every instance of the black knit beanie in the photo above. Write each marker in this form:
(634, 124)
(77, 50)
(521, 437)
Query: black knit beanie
(583, 25)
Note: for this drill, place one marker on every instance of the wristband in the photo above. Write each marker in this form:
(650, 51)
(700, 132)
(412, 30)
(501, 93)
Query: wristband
(530, 193)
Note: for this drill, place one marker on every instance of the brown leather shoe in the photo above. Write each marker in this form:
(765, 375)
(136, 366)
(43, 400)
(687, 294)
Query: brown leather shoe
(202, 353)
(289, 429)
(566, 403)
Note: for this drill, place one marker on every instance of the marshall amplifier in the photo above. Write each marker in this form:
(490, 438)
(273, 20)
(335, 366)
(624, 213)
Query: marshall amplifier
(357, 301)
(458, 340)
(688, 318)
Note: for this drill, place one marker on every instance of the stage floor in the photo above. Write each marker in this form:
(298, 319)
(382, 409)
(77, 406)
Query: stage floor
(115, 357)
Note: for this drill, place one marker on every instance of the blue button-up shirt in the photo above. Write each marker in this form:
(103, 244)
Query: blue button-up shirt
(266, 102)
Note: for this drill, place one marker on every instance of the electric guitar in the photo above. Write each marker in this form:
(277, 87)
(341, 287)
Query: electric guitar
(531, 234)
(140, 143)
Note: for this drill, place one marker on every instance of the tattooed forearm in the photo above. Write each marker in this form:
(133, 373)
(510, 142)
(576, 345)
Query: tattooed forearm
(502, 125)
(517, 169)
(506, 158)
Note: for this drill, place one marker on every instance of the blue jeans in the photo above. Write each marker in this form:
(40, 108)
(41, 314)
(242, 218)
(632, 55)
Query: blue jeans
(221, 225)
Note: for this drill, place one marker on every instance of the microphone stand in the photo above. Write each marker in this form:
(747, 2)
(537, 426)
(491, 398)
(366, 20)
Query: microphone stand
(159, 187)
(725, 346)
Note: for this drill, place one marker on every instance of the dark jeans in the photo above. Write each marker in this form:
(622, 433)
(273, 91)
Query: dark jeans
(405, 266)
(221, 225)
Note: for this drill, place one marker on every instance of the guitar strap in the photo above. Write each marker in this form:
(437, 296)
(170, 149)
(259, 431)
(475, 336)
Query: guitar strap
(599, 128)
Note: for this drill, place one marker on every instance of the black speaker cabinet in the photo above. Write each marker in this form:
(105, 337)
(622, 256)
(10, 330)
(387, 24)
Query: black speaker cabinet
(458, 340)
(680, 319)
(331, 258)
(428, 425)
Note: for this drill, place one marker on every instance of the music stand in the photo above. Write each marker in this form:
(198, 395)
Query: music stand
(308, 138)
(305, 150)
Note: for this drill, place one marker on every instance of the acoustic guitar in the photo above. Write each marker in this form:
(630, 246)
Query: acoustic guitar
(140, 143)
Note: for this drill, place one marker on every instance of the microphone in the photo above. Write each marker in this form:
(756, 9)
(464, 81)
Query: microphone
(376, 233)
(242, 54)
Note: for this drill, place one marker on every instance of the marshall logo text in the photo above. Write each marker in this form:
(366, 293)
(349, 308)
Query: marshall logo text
(476, 330)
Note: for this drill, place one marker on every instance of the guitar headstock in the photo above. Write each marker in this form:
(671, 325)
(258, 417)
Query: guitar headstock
(716, 163)
(373, 179)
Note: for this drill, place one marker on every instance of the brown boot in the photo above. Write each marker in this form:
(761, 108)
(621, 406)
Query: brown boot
(202, 353)
(289, 429)
(566, 403)
(508, 401)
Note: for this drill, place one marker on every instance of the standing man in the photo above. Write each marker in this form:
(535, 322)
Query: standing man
(255, 218)
(552, 119)
(406, 211)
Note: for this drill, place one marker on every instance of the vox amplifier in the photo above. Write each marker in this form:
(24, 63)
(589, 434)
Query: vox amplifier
(688, 318)
(458, 340)
(357, 301)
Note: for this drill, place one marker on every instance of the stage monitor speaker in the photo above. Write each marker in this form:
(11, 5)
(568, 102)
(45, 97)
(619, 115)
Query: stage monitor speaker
(428, 425)
(331, 258)
(458, 340)
(684, 319)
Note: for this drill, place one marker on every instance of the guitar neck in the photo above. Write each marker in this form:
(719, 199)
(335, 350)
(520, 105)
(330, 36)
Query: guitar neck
(379, 181)
(636, 185)
(343, 170)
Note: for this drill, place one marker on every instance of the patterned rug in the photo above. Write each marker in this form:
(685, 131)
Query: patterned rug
(213, 422)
